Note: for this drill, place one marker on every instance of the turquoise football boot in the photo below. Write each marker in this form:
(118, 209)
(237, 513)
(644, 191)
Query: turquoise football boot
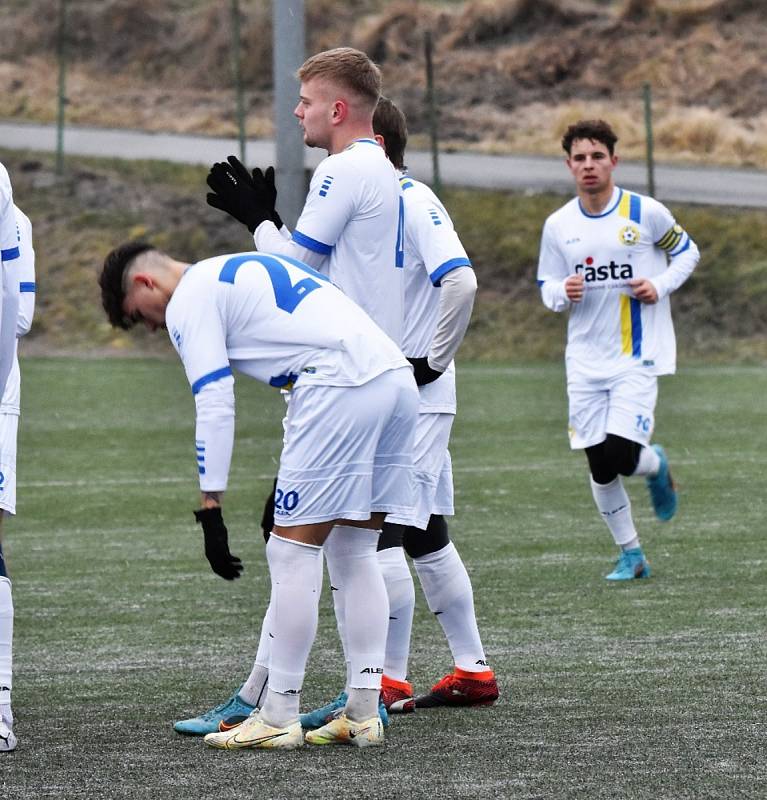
(208, 721)
(662, 489)
(333, 710)
(630, 564)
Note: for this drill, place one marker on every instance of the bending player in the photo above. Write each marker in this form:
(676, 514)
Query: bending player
(612, 258)
(346, 459)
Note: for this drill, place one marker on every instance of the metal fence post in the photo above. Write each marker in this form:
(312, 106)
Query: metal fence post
(62, 91)
(431, 104)
(288, 43)
(649, 140)
(237, 74)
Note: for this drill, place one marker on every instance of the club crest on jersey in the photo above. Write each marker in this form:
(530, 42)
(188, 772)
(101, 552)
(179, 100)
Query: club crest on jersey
(603, 272)
(628, 235)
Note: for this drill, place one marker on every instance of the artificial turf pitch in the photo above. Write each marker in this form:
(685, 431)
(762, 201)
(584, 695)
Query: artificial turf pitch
(654, 689)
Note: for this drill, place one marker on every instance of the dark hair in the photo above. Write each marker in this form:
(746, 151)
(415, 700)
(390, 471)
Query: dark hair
(389, 122)
(111, 280)
(595, 129)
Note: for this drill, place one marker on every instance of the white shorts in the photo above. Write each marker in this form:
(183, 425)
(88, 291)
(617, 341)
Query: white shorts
(348, 451)
(432, 471)
(9, 427)
(624, 406)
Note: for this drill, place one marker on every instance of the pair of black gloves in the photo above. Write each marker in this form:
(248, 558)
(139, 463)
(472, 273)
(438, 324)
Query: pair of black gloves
(249, 197)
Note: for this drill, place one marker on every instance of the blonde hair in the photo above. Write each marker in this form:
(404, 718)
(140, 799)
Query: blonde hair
(348, 68)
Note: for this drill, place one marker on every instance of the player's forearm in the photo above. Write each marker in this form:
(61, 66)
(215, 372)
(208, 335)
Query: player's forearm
(554, 295)
(680, 268)
(270, 240)
(214, 438)
(456, 301)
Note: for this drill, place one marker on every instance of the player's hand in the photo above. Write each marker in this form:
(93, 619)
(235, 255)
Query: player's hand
(222, 562)
(267, 517)
(574, 288)
(264, 182)
(644, 290)
(235, 193)
(422, 372)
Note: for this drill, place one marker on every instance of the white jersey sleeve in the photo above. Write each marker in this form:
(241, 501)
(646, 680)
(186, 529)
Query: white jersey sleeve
(200, 340)
(552, 270)
(27, 283)
(433, 248)
(682, 252)
(9, 255)
(11, 400)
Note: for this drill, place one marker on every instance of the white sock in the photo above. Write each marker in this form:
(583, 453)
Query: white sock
(6, 642)
(336, 579)
(615, 507)
(449, 595)
(253, 691)
(362, 704)
(355, 573)
(401, 593)
(292, 624)
(649, 462)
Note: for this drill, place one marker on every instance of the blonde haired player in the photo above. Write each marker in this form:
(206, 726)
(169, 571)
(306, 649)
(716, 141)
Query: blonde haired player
(612, 258)
(350, 229)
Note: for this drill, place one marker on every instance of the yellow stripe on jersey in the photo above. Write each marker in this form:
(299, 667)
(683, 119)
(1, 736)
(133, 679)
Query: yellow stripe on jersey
(623, 205)
(627, 338)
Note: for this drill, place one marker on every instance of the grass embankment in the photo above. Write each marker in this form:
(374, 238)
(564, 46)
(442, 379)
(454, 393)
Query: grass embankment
(721, 313)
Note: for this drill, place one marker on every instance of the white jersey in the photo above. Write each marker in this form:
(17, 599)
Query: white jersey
(9, 254)
(609, 331)
(26, 289)
(273, 319)
(432, 249)
(350, 228)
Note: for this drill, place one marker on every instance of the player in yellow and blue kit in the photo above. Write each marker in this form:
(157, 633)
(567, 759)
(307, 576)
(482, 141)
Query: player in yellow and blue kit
(612, 258)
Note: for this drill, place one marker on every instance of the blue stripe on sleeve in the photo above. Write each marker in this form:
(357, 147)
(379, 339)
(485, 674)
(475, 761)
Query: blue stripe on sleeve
(448, 266)
(680, 251)
(216, 375)
(9, 254)
(27, 286)
(312, 244)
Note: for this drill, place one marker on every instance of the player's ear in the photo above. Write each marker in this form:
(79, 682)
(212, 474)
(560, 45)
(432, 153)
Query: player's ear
(142, 279)
(380, 140)
(339, 112)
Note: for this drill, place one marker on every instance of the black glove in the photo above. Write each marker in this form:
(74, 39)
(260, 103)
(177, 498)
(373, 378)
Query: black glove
(264, 182)
(236, 193)
(222, 562)
(267, 517)
(422, 372)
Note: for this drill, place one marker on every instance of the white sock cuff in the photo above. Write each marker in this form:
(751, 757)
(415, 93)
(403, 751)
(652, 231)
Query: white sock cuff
(649, 462)
(346, 540)
(443, 577)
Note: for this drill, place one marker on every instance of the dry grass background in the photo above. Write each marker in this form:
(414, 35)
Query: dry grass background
(511, 73)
